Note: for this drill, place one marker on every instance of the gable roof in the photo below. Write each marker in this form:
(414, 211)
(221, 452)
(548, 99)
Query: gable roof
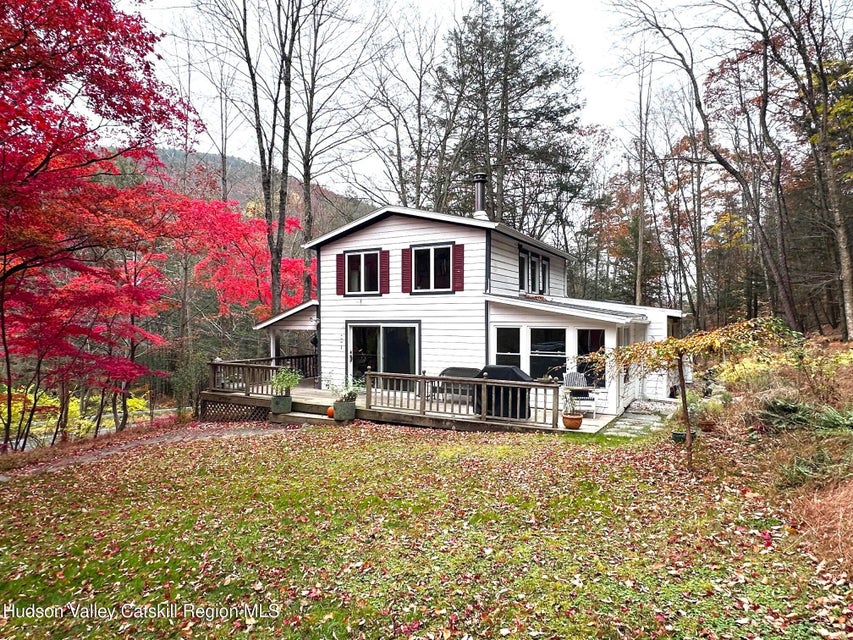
(574, 308)
(287, 314)
(385, 212)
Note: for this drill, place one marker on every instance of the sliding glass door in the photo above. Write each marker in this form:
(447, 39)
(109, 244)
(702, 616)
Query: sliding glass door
(389, 348)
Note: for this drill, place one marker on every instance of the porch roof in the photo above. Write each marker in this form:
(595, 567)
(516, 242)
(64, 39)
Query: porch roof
(573, 308)
(296, 318)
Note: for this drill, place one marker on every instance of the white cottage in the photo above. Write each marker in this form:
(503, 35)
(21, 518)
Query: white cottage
(410, 291)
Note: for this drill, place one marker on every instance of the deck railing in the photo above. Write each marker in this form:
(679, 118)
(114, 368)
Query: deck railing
(253, 376)
(528, 403)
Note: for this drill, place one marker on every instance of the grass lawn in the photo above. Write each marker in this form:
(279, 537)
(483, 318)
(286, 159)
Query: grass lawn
(376, 532)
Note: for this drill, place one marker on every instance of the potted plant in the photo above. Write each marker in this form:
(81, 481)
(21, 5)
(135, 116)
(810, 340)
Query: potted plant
(681, 436)
(282, 382)
(572, 418)
(346, 393)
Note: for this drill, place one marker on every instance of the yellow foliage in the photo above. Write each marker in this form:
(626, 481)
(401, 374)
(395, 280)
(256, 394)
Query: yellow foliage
(748, 372)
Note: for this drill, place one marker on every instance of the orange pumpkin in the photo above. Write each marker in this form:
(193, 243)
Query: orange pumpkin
(330, 412)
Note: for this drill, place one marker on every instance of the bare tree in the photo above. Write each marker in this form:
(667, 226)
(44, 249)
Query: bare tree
(332, 49)
(678, 41)
(259, 39)
(414, 123)
(809, 43)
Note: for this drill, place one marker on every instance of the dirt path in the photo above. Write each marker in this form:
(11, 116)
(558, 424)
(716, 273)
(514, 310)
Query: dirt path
(189, 433)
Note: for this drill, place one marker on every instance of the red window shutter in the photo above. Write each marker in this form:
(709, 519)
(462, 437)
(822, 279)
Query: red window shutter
(341, 274)
(384, 272)
(407, 270)
(458, 267)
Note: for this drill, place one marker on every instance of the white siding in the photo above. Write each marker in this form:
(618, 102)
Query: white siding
(453, 328)
(305, 320)
(505, 267)
(452, 324)
(656, 385)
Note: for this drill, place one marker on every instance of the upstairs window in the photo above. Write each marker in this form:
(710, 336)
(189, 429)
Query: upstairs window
(431, 269)
(434, 269)
(534, 272)
(362, 272)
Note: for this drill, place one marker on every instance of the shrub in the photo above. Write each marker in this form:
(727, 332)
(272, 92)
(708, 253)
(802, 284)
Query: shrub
(831, 419)
(783, 414)
(80, 419)
(747, 375)
(815, 369)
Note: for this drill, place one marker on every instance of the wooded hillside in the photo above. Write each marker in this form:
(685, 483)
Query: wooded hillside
(728, 195)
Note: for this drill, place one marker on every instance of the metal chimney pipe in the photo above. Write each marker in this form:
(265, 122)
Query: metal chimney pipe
(479, 195)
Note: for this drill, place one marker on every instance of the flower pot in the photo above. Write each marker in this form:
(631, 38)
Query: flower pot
(344, 410)
(572, 421)
(281, 404)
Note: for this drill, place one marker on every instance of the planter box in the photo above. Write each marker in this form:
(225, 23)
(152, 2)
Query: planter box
(281, 404)
(344, 410)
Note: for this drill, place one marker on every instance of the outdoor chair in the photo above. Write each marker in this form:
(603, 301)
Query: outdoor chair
(579, 388)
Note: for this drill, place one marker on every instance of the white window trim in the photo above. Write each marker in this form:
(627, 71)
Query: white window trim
(362, 272)
(524, 343)
(432, 287)
(536, 268)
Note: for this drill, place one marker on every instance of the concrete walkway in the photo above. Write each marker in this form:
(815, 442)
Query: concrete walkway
(641, 419)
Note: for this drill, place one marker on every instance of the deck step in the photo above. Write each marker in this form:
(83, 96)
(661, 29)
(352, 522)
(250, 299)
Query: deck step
(302, 417)
(310, 407)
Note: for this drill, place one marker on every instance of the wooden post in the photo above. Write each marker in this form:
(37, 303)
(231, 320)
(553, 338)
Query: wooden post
(423, 385)
(685, 415)
(483, 397)
(212, 382)
(368, 388)
(246, 384)
(555, 405)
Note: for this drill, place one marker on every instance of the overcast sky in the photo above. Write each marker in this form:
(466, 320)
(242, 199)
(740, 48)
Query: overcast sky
(588, 27)
(591, 30)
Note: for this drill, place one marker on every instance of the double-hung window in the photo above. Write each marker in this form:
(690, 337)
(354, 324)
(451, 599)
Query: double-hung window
(508, 347)
(547, 352)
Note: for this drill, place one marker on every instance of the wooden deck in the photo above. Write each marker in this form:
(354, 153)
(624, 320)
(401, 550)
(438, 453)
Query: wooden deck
(309, 406)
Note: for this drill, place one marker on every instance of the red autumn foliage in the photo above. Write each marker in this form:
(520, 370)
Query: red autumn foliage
(81, 258)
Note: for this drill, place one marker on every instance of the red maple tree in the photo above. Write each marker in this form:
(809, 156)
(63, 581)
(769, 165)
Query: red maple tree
(77, 91)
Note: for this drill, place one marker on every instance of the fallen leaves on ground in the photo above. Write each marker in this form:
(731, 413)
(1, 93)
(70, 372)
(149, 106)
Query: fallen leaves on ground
(371, 531)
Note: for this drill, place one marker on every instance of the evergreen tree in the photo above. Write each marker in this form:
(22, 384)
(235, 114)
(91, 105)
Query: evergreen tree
(517, 86)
